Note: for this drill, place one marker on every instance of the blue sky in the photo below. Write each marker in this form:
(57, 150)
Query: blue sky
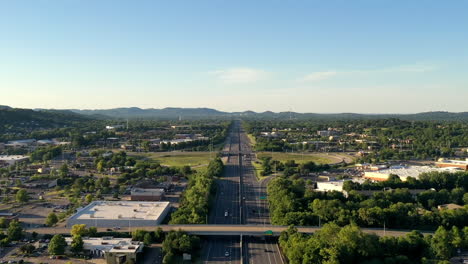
(307, 56)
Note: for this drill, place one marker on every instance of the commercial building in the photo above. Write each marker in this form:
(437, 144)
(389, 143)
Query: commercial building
(113, 127)
(329, 186)
(143, 194)
(114, 250)
(20, 143)
(403, 172)
(12, 159)
(120, 214)
(461, 164)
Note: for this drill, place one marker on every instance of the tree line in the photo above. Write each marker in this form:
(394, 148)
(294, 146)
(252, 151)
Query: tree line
(334, 245)
(195, 201)
(296, 202)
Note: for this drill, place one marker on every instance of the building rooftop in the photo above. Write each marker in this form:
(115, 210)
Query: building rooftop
(410, 171)
(124, 210)
(13, 157)
(458, 162)
(109, 244)
(149, 192)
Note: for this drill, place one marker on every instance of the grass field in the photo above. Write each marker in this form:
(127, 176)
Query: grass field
(192, 159)
(321, 158)
(252, 139)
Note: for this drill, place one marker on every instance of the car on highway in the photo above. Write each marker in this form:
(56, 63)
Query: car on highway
(226, 254)
(226, 213)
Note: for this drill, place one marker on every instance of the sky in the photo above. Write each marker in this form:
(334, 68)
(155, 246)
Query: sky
(374, 56)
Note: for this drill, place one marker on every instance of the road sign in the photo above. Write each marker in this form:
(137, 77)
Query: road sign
(268, 233)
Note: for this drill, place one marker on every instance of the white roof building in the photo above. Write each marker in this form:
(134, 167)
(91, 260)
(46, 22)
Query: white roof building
(120, 214)
(329, 186)
(403, 172)
(12, 159)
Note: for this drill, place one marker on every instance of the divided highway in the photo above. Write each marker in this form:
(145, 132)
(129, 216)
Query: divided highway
(240, 199)
(226, 208)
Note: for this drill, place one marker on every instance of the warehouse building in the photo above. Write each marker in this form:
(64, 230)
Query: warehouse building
(120, 214)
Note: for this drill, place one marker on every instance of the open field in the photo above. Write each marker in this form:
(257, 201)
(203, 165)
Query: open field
(178, 158)
(317, 157)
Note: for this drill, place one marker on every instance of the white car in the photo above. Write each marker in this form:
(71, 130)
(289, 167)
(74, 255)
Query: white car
(226, 254)
(226, 213)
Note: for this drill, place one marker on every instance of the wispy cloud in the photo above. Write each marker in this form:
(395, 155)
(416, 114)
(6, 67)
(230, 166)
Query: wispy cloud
(240, 75)
(411, 68)
(318, 76)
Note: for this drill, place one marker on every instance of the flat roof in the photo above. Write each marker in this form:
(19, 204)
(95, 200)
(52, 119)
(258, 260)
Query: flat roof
(124, 210)
(458, 162)
(109, 244)
(411, 171)
(334, 183)
(13, 157)
(147, 192)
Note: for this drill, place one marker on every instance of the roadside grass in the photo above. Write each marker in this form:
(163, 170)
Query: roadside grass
(318, 158)
(178, 159)
(252, 140)
(258, 170)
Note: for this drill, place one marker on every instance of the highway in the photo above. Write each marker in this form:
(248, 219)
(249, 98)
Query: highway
(226, 208)
(240, 199)
(255, 209)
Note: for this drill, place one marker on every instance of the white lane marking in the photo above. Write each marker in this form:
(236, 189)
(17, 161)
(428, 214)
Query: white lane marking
(279, 253)
(208, 255)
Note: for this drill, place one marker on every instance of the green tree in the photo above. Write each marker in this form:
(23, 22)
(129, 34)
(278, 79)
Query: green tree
(63, 171)
(89, 198)
(159, 235)
(51, 219)
(441, 243)
(3, 222)
(148, 239)
(79, 230)
(57, 245)
(77, 244)
(22, 196)
(14, 231)
(27, 248)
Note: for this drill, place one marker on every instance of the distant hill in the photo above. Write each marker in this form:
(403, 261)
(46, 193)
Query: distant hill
(61, 117)
(28, 118)
(165, 113)
(194, 113)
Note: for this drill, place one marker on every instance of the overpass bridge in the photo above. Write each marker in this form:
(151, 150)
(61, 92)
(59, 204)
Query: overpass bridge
(224, 230)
